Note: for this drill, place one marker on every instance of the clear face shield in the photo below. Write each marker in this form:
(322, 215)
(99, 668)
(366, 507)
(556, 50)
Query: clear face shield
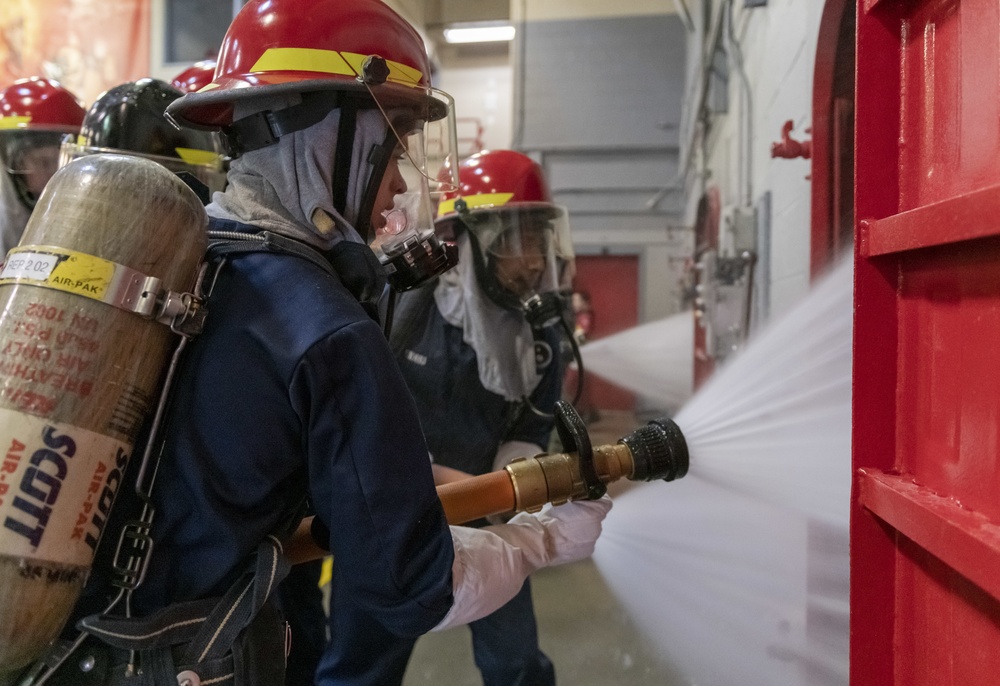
(30, 158)
(528, 260)
(422, 167)
(205, 166)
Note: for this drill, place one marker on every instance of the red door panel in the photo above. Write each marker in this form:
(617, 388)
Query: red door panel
(925, 525)
(950, 99)
(612, 281)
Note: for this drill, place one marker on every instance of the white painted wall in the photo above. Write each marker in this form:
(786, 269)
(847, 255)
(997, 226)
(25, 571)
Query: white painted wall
(779, 50)
(484, 93)
(541, 10)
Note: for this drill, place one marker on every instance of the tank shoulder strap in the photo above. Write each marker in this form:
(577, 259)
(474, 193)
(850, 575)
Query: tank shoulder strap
(224, 243)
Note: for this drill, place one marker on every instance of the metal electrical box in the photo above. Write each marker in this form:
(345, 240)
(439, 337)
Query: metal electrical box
(925, 522)
(723, 303)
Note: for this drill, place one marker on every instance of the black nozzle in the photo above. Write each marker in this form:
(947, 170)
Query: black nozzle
(659, 451)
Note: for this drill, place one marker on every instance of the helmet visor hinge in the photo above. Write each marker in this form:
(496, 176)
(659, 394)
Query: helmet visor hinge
(374, 71)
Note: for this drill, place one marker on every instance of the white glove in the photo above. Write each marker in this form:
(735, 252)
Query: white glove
(492, 563)
(558, 534)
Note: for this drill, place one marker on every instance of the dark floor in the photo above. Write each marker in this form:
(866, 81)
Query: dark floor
(582, 628)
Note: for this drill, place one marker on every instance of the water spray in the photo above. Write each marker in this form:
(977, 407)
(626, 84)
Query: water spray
(759, 571)
(651, 452)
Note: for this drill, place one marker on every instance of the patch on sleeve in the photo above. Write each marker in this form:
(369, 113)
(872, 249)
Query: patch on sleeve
(417, 358)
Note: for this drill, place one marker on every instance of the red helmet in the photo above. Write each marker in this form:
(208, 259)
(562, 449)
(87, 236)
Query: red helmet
(35, 114)
(285, 65)
(41, 105)
(195, 77)
(276, 47)
(520, 238)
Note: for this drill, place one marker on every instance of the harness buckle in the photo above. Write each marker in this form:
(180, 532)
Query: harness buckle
(132, 555)
(188, 678)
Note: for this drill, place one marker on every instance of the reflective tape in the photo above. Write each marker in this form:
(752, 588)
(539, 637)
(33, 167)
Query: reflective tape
(17, 122)
(199, 157)
(330, 62)
(474, 201)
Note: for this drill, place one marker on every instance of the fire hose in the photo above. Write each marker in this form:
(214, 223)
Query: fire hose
(654, 451)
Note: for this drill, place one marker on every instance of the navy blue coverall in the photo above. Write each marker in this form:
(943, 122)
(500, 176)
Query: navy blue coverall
(464, 425)
(292, 390)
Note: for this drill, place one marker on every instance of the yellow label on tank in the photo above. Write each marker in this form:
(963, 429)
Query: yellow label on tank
(60, 269)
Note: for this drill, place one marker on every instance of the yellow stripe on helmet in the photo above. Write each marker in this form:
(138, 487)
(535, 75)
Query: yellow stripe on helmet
(302, 59)
(14, 122)
(199, 157)
(330, 62)
(475, 201)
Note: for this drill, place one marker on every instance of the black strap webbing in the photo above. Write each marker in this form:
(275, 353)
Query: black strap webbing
(207, 627)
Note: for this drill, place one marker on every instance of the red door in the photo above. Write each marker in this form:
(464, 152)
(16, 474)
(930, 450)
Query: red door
(612, 281)
(925, 526)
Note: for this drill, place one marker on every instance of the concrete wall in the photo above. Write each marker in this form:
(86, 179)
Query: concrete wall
(597, 93)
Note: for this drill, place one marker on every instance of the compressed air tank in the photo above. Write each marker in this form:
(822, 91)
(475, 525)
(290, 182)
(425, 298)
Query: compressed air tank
(81, 361)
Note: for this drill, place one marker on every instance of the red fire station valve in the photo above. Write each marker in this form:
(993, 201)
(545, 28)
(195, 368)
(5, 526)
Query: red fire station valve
(788, 147)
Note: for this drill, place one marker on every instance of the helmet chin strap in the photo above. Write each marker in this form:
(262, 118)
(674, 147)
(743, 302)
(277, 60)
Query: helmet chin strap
(378, 158)
(342, 158)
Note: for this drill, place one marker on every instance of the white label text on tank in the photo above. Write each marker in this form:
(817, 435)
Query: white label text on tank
(29, 265)
(57, 485)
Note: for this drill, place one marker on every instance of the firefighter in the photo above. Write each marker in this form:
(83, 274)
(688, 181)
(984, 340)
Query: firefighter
(291, 391)
(35, 114)
(486, 381)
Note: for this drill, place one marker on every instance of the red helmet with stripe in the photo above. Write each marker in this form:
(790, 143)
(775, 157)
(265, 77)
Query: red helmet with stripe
(278, 47)
(285, 65)
(41, 105)
(520, 238)
(496, 178)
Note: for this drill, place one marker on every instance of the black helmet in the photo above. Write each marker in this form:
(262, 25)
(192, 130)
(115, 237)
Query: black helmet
(129, 118)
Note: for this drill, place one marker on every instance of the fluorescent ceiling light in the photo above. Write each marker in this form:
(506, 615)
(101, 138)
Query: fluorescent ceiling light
(471, 33)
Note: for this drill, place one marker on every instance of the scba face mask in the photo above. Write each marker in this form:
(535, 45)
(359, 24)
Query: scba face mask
(404, 237)
(524, 256)
(30, 158)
